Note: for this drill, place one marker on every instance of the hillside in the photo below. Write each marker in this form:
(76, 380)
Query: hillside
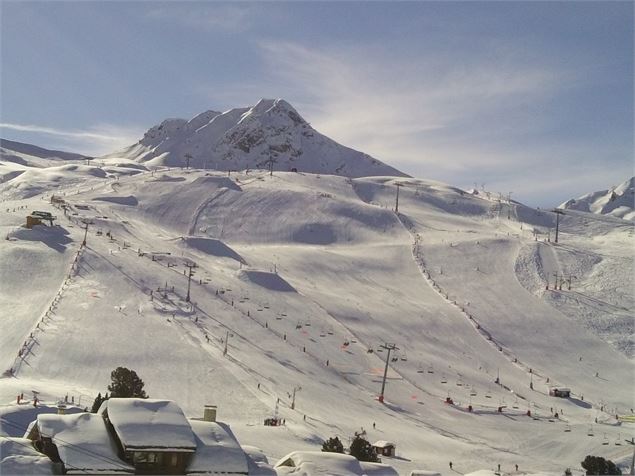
(269, 134)
(32, 155)
(617, 201)
(302, 277)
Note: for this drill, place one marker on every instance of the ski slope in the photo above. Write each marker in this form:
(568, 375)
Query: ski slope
(299, 279)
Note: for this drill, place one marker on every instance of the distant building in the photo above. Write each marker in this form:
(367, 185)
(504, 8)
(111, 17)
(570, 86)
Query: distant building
(37, 217)
(384, 448)
(561, 392)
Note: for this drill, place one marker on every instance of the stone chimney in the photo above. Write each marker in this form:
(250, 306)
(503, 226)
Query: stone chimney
(210, 413)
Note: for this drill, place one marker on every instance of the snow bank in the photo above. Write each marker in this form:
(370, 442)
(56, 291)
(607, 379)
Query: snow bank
(309, 463)
(18, 456)
(212, 247)
(270, 281)
(128, 200)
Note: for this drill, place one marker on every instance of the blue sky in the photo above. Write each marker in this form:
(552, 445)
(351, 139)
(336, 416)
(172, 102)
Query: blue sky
(535, 98)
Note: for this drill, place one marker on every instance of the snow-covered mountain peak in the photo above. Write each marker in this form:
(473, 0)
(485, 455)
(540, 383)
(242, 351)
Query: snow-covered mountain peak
(203, 118)
(617, 201)
(277, 110)
(271, 132)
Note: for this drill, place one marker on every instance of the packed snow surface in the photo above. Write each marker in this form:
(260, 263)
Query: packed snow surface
(297, 280)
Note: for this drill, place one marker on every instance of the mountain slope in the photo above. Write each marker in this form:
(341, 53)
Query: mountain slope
(31, 155)
(271, 132)
(307, 275)
(618, 201)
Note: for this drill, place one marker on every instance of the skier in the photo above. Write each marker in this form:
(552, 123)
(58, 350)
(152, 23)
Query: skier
(373, 425)
(450, 464)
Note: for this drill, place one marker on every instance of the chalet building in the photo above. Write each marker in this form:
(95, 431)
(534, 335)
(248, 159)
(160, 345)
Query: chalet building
(152, 435)
(38, 217)
(561, 392)
(384, 448)
(138, 436)
(77, 444)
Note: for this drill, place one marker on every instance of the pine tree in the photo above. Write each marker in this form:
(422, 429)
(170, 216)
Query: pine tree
(599, 465)
(98, 401)
(125, 383)
(362, 449)
(333, 445)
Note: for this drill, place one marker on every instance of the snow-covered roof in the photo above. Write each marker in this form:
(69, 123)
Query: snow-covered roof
(378, 469)
(146, 424)
(83, 442)
(17, 456)
(318, 463)
(217, 450)
(383, 444)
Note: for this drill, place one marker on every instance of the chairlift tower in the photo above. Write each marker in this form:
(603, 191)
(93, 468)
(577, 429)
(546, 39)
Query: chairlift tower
(398, 185)
(558, 212)
(389, 348)
(190, 266)
(295, 389)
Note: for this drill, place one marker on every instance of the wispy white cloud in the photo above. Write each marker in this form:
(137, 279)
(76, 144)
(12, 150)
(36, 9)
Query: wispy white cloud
(477, 119)
(97, 140)
(232, 18)
(388, 106)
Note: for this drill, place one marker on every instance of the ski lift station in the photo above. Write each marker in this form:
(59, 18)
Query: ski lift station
(562, 392)
(37, 218)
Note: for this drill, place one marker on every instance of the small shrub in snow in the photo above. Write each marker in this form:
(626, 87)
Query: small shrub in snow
(333, 445)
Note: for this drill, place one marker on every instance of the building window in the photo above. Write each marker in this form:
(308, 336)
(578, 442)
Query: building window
(145, 458)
